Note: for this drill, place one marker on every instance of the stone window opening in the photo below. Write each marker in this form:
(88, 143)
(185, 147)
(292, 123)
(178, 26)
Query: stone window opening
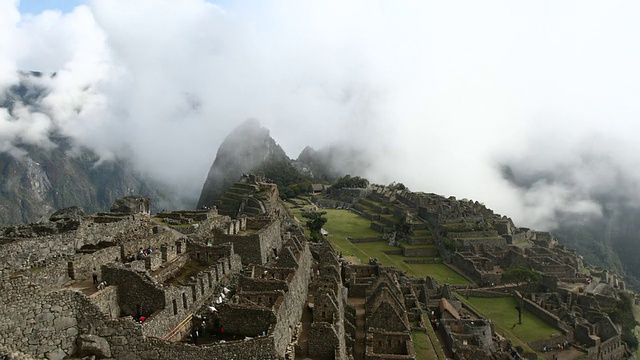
(175, 307)
(184, 300)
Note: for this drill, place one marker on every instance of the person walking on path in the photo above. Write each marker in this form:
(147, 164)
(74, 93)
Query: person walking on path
(95, 276)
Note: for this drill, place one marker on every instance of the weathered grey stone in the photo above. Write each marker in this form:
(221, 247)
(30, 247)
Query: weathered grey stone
(129, 356)
(64, 323)
(57, 354)
(106, 331)
(132, 204)
(73, 213)
(45, 316)
(149, 354)
(119, 340)
(71, 332)
(93, 345)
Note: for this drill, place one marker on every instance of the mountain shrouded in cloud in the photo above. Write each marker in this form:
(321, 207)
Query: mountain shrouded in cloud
(247, 148)
(494, 101)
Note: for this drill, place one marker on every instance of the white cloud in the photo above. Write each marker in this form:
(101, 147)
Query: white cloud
(440, 93)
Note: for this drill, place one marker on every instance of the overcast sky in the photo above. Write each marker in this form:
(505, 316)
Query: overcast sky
(441, 94)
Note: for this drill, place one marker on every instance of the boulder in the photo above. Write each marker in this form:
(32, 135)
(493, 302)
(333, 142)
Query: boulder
(133, 204)
(57, 354)
(74, 213)
(68, 219)
(93, 345)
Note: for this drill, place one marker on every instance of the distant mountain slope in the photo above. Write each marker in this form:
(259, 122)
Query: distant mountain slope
(35, 181)
(247, 148)
(43, 181)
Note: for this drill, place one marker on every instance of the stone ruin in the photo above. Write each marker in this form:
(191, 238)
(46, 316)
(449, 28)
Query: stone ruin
(242, 281)
(479, 244)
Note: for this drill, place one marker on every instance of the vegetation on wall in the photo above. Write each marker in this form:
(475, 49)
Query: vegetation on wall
(289, 180)
(622, 314)
(315, 222)
(349, 181)
(521, 275)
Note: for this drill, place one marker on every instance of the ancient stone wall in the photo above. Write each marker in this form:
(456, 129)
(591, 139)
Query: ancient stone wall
(31, 252)
(258, 284)
(472, 234)
(549, 343)
(35, 322)
(612, 349)
(209, 254)
(389, 343)
(545, 315)
(49, 327)
(362, 211)
(83, 264)
(290, 312)
(257, 248)
(323, 341)
(106, 300)
(171, 269)
(156, 241)
(415, 252)
(246, 320)
(128, 227)
(137, 294)
(377, 227)
(349, 195)
(254, 349)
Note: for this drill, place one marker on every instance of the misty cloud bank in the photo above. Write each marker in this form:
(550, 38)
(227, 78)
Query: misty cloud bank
(529, 108)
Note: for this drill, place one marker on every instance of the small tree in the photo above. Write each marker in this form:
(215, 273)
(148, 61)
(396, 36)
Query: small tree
(315, 223)
(520, 275)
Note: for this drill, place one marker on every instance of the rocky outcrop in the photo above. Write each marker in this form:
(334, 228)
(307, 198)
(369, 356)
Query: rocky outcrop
(247, 148)
(93, 345)
(332, 162)
(132, 204)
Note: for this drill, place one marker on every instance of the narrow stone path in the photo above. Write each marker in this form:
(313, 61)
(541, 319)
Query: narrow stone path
(307, 319)
(86, 286)
(359, 346)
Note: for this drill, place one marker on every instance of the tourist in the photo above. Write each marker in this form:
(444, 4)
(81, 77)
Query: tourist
(95, 276)
(102, 285)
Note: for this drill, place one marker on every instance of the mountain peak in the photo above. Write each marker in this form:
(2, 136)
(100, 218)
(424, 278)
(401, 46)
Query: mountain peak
(246, 148)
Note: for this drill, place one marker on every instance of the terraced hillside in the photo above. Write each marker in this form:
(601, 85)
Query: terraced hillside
(353, 235)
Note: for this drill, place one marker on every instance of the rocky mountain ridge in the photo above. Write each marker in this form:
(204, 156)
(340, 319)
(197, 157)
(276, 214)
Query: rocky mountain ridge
(37, 179)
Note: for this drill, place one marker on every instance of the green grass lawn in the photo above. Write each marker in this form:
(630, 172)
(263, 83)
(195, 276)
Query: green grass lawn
(343, 223)
(503, 313)
(422, 346)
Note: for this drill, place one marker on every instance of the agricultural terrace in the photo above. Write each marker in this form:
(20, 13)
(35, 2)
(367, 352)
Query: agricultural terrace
(343, 224)
(502, 312)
